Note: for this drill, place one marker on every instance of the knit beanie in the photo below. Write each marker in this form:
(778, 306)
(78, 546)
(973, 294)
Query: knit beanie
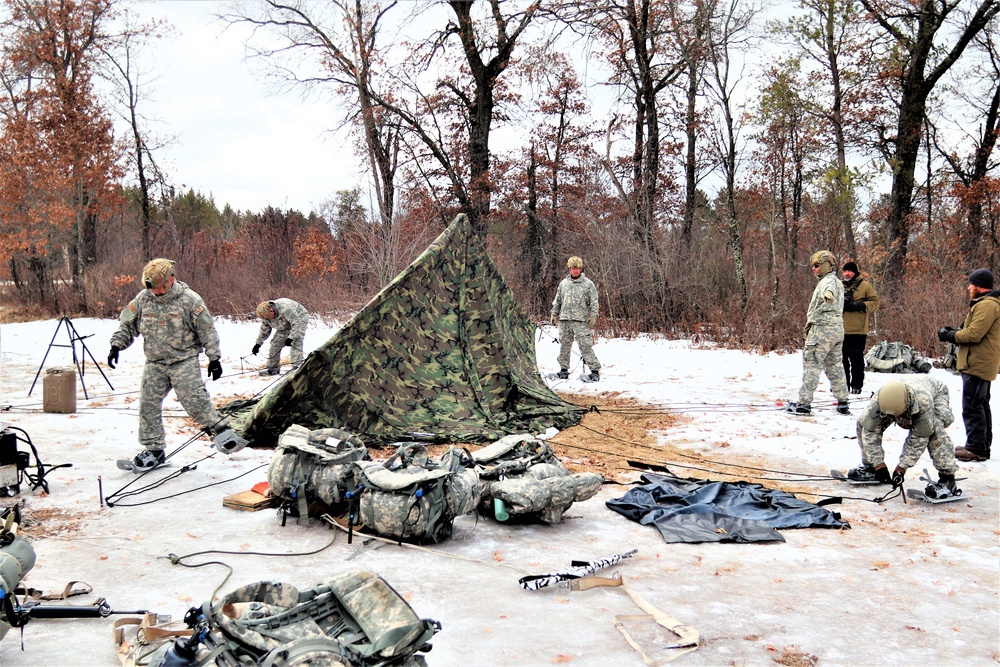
(851, 266)
(981, 278)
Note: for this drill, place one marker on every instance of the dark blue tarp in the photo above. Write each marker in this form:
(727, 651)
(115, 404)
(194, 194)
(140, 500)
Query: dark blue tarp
(698, 510)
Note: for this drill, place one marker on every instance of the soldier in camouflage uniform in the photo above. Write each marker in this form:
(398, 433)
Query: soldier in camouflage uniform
(921, 405)
(824, 337)
(175, 326)
(574, 310)
(288, 319)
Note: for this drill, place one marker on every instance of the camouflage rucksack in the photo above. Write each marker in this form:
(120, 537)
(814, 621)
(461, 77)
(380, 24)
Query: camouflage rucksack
(412, 497)
(310, 468)
(522, 476)
(17, 556)
(350, 619)
(894, 357)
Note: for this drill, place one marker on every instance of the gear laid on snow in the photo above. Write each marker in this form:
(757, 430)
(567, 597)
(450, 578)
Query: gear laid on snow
(798, 408)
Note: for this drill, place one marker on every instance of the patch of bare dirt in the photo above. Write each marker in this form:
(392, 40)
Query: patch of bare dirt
(39, 522)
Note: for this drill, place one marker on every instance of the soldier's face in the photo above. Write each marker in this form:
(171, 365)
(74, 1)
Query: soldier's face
(164, 288)
(849, 275)
(575, 271)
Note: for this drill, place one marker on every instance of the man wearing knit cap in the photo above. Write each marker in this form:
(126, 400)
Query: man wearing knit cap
(978, 361)
(860, 299)
(823, 351)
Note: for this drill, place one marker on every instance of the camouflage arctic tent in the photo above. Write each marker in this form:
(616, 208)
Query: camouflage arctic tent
(444, 351)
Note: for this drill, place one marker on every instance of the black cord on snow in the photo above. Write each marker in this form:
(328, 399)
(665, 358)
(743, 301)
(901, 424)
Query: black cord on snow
(177, 560)
(160, 482)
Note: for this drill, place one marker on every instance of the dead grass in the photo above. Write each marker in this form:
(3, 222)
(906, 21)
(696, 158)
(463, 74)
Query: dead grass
(40, 522)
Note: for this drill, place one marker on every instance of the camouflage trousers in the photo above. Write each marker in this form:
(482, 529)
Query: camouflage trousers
(184, 377)
(939, 446)
(823, 354)
(277, 343)
(570, 330)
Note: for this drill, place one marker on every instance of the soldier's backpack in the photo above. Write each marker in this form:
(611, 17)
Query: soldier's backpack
(309, 469)
(413, 497)
(523, 477)
(895, 357)
(17, 556)
(350, 619)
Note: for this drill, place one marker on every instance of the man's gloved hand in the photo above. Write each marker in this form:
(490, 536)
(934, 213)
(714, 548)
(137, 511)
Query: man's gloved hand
(554, 319)
(882, 474)
(256, 348)
(214, 369)
(897, 476)
(112, 357)
(288, 342)
(946, 335)
(591, 322)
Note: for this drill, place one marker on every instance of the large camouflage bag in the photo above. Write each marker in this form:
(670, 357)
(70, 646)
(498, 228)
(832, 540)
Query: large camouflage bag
(523, 477)
(309, 469)
(413, 497)
(350, 619)
(17, 556)
(894, 357)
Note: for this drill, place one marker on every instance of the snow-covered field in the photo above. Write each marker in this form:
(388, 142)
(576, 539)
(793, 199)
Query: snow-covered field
(909, 584)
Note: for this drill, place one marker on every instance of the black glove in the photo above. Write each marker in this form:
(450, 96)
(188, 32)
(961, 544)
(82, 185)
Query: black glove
(214, 369)
(288, 342)
(855, 306)
(946, 335)
(256, 348)
(897, 476)
(882, 474)
(112, 357)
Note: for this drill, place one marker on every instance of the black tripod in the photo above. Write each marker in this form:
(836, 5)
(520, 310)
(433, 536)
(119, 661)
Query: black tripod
(79, 362)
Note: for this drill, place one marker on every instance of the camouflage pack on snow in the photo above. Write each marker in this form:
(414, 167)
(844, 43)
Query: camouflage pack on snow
(310, 469)
(895, 357)
(525, 474)
(350, 619)
(411, 496)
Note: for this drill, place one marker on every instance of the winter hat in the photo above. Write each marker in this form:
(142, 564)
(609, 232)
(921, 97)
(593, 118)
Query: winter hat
(981, 278)
(574, 262)
(851, 266)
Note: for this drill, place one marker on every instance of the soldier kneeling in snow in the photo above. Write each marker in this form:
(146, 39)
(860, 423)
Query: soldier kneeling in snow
(919, 404)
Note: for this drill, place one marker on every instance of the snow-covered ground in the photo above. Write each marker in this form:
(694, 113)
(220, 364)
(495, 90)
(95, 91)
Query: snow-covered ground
(909, 584)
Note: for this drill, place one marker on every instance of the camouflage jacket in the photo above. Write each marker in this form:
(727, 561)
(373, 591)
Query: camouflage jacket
(290, 316)
(826, 308)
(174, 327)
(930, 410)
(575, 300)
(979, 338)
(861, 290)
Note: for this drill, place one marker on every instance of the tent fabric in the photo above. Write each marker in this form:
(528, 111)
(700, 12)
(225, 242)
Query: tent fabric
(698, 510)
(443, 353)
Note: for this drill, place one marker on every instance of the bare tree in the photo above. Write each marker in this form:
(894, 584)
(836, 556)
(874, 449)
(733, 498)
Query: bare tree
(130, 84)
(923, 43)
(730, 30)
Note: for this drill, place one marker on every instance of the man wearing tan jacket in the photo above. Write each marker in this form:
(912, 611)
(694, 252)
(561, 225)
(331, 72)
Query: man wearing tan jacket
(978, 361)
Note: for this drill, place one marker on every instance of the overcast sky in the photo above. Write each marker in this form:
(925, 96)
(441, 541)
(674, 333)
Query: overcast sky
(236, 139)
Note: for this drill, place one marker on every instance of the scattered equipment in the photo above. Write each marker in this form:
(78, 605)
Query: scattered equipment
(78, 361)
(15, 464)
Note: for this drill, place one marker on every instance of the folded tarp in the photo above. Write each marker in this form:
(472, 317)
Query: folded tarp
(698, 510)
